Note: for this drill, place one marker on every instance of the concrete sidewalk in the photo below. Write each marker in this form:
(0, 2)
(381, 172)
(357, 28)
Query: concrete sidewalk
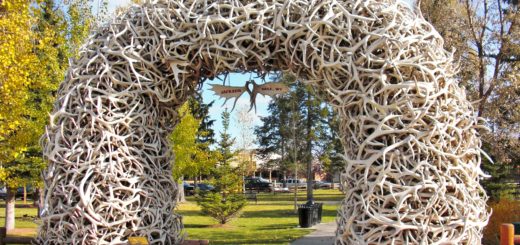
(324, 234)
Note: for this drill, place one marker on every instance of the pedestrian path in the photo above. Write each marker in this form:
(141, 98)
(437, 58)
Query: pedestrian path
(324, 234)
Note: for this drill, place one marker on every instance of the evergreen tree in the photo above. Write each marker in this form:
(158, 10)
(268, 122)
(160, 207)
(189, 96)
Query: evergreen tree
(307, 113)
(200, 110)
(226, 141)
(205, 136)
(331, 157)
(227, 202)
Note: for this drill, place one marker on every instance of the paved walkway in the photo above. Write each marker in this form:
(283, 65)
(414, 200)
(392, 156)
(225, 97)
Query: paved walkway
(324, 234)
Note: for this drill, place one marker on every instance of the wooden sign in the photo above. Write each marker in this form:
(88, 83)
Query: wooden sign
(267, 89)
(138, 241)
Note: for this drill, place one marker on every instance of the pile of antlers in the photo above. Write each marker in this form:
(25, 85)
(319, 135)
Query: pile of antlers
(410, 136)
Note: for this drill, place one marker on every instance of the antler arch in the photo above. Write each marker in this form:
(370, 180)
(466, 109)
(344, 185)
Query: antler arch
(411, 145)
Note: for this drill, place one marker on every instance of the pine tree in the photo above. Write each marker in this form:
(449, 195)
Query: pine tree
(331, 156)
(308, 112)
(226, 142)
(200, 110)
(227, 202)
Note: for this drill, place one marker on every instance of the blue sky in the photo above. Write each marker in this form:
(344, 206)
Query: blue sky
(235, 79)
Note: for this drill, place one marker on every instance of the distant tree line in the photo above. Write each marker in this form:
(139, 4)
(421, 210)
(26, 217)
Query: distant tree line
(484, 36)
(301, 128)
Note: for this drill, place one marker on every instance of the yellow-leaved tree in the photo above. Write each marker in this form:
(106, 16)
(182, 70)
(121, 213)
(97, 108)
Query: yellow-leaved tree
(36, 40)
(191, 157)
(17, 57)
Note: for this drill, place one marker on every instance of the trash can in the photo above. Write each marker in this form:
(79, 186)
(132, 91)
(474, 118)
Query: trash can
(517, 227)
(305, 213)
(319, 209)
(314, 215)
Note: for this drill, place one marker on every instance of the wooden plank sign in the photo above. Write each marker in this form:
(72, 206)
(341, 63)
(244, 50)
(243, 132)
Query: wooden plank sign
(266, 89)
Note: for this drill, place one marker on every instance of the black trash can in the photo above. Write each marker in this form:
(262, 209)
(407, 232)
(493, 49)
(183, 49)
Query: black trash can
(305, 213)
(319, 209)
(314, 214)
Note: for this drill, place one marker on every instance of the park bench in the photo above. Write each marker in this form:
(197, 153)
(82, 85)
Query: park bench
(251, 196)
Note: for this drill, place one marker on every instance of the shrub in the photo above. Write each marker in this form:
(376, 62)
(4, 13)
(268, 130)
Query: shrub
(504, 211)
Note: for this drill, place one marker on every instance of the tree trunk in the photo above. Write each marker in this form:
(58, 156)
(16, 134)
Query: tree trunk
(180, 195)
(35, 197)
(284, 179)
(195, 187)
(9, 208)
(38, 200)
(310, 176)
(40, 203)
(243, 183)
(24, 194)
(295, 182)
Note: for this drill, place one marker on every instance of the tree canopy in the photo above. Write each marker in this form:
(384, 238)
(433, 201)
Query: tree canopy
(38, 39)
(484, 35)
(191, 156)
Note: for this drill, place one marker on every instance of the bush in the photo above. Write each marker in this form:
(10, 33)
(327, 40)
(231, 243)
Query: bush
(504, 211)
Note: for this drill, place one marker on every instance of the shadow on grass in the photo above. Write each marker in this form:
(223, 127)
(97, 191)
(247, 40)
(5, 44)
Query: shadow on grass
(278, 226)
(273, 213)
(190, 213)
(328, 212)
(197, 226)
(18, 205)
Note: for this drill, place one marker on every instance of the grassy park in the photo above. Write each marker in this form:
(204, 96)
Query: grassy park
(271, 221)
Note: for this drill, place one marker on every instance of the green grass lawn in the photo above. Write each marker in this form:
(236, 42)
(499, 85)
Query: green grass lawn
(271, 221)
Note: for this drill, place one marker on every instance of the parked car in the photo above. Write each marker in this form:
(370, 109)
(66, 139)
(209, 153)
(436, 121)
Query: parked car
(19, 192)
(292, 183)
(322, 185)
(188, 189)
(205, 187)
(3, 193)
(29, 192)
(258, 184)
(278, 187)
